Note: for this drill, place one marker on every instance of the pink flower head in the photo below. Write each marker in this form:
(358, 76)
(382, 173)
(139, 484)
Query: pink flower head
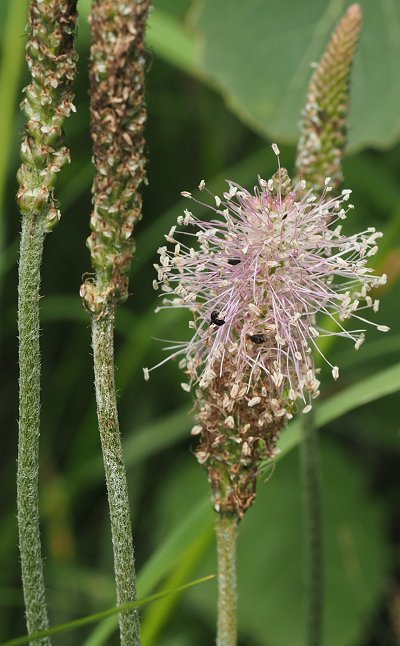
(256, 276)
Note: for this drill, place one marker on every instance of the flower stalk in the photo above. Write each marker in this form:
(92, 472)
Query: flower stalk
(226, 532)
(114, 465)
(48, 101)
(313, 532)
(254, 277)
(118, 117)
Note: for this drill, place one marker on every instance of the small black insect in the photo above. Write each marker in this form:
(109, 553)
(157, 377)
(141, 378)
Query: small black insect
(233, 261)
(215, 318)
(257, 338)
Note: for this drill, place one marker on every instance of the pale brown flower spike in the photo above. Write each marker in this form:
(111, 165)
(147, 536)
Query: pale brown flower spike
(48, 99)
(324, 130)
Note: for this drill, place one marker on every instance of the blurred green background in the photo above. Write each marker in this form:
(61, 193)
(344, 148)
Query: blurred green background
(224, 80)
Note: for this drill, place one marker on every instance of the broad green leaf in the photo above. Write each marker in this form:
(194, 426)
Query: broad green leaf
(171, 41)
(258, 54)
(167, 36)
(377, 428)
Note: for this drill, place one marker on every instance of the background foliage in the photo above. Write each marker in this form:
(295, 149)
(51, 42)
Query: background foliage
(223, 78)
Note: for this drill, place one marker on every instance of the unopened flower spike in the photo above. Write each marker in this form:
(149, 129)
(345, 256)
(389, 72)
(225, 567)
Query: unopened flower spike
(255, 277)
(324, 125)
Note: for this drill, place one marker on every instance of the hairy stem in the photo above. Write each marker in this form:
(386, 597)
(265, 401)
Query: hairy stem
(117, 487)
(118, 114)
(313, 540)
(29, 412)
(226, 532)
(47, 102)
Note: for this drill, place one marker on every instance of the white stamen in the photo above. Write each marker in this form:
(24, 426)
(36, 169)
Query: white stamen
(335, 373)
(275, 149)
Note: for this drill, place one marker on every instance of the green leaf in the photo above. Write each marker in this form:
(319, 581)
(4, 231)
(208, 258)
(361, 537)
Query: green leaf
(168, 555)
(171, 41)
(84, 621)
(157, 616)
(258, 54)
(378, 348)
(168, 37)
(370, 389)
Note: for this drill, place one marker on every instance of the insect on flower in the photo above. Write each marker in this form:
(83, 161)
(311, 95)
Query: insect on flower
(274, 262)
(215, 318)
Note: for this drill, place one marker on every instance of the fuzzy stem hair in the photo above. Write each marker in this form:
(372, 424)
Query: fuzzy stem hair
(226, 533)
(117, 486)
(48, 101)
(313, 543)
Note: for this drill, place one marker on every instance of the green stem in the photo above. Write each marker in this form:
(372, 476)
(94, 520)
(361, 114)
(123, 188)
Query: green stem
(226, 532)
(117, 486)
(313, 541)
(29, 420)
(47, 102)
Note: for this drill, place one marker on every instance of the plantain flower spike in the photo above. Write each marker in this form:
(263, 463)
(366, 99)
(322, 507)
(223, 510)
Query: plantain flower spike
(324, 131)
(48, 102)
(118, 116)
(254, 278)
